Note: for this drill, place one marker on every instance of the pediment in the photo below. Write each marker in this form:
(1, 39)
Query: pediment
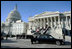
(47, 13)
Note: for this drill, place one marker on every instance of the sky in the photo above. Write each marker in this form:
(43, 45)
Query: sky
(31, 8)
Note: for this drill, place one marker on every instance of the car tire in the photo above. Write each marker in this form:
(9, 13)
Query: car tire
(37, 41)
(58, 42)
(63, 43)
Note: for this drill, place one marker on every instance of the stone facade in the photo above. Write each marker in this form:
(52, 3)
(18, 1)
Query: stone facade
(55, 20)
(14, 15)
(19, 28)
(14, 25)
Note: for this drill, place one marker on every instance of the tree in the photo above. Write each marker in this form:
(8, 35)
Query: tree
(2, 27)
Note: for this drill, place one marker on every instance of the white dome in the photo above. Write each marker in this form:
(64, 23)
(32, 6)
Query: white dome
(14, 14)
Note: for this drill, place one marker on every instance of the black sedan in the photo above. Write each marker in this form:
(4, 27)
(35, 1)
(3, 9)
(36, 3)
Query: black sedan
(46, 39)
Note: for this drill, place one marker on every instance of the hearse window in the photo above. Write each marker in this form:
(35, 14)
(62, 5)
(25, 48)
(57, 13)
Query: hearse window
(43, 37)
(50, 37)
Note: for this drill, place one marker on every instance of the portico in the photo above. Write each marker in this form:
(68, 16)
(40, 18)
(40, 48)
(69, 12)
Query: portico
(52, 19)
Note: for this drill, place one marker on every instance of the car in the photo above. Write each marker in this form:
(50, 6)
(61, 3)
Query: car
(46, 38)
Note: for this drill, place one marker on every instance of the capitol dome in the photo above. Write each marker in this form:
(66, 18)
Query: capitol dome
(14, 15)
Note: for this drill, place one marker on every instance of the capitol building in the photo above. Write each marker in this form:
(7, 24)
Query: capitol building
(56, 20)
(59, 22)
(14, 25)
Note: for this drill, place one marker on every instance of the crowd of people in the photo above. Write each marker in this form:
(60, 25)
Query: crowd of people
(40, 29)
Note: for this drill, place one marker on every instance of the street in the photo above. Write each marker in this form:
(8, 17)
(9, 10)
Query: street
(25, 43)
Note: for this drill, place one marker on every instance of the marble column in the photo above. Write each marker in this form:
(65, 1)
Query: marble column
(35, 24)
(70, 21)
(51, 21)
(44, 22)
(66, 21)
(70, 18)
(55, 21)
(41, 22)
(58, 19)
(63, 23)
(47, 21)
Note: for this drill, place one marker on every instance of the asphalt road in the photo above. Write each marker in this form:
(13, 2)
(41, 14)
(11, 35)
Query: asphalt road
(25, 43)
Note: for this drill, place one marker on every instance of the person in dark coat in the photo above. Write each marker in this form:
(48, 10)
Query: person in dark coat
(63, 31)
(7, 36)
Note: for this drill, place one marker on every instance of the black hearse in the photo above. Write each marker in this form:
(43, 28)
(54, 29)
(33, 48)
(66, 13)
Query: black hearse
(46, 39)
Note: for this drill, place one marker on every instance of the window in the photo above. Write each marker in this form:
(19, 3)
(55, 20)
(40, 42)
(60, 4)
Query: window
(50, 37)
(43, 36)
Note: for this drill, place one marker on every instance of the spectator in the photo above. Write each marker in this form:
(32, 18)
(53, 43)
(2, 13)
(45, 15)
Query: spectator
(46, 27)
(7, 36)
(38, 29)
(63, 31)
